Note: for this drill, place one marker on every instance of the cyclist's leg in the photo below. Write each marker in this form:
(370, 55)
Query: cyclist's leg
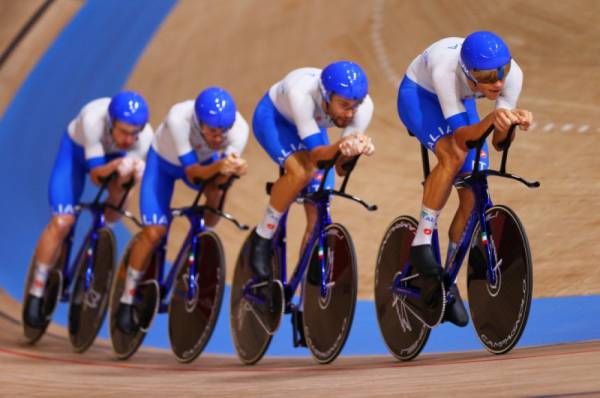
(156, 191)
(280, 140)
(310, 209)
(421, 113)
(65, 189)
(155, 196)
(213, 196)
(465, 196)
(116, 191)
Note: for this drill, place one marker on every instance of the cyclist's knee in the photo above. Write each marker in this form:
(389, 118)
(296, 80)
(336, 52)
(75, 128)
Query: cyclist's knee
(300, 173)
(61, 224)
(153, 234)
(449, 155)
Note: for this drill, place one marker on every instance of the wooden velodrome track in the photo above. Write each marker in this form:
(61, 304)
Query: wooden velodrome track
(558, 46)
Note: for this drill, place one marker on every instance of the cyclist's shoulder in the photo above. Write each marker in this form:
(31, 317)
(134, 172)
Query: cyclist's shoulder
(301, 80)
(95, 108)
(180, 115)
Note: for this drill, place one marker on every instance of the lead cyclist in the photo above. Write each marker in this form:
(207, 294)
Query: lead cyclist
(437, 104)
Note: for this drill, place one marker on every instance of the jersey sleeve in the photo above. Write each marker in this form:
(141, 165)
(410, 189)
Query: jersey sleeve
(362, 118)
(512, 88)
(446, 88)
(237, 136)
(93, 128)
(179, 128)
(303, 110)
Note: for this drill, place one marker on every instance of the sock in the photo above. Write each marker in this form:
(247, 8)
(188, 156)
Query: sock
(40, 276)
(267, 227)
(209, 229)
(133, 278)
(452, 248)
(427, 223)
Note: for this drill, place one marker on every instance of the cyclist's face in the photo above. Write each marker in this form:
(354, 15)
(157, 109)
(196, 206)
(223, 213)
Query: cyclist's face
(125, 135)
(215, 137)
(341, 110)
(491, 91)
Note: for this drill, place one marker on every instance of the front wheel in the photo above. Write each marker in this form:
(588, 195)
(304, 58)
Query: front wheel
(400, 321)
(328, 312)
(87, 307)
(196, 300)
(500, 310)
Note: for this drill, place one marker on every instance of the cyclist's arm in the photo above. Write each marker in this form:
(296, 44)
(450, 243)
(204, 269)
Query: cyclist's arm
(104, 170)
(237, 136)
(195, 171)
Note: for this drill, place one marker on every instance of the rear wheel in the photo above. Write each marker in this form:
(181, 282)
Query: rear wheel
(401, 326)
(145, 305)
(328, 313)
(52, 294)
(256, 308)
(500, 310)
(88, 306)
(196, 300)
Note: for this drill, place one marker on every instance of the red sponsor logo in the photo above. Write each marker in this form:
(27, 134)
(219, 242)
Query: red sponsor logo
(198, 146)
(37, 283)
(131, 292)
(483, 155)
(427, 231)
(318, 118)
(270, 226)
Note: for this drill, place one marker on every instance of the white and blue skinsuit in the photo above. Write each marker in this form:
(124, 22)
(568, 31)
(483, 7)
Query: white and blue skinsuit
(178, 143)
(289, 118)
(434, 98)
(85, 145)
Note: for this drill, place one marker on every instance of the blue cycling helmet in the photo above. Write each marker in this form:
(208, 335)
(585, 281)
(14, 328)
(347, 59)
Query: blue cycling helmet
(484, 51)
(346, 79)
(215, 107)
(129, 107)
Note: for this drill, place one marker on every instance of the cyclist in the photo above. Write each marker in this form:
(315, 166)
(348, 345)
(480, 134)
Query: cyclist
(290, 123)
(108, 135)
(197, 140)
(436, 103)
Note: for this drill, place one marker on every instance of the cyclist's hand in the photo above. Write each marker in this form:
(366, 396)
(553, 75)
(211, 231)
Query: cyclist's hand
(503, 119)
(228, 165)
(242, 167)
(138, 167)
(367, 142)
(525, 118)
(351, 146)
(126, 167)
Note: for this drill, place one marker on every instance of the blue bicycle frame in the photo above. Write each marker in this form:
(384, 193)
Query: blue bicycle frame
(477, 182)
(195, 216)
(321, 199)
(97, 210)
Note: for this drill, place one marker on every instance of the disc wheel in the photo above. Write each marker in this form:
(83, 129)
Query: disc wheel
(192, 316)
(404, 333)
(328, 313)
(87, 307)
(500, 310)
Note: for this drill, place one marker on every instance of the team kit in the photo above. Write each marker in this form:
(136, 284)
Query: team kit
(201, 141)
